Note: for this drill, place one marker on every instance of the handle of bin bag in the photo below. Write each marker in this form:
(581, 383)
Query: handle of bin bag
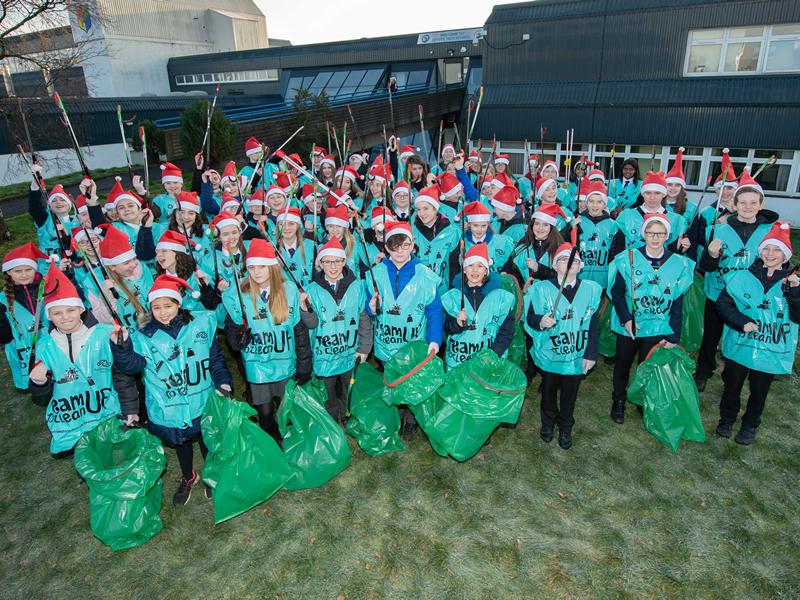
(490, 388)
(410, 373)
(663, 343)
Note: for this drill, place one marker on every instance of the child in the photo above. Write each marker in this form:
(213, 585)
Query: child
(533, 255)
(172, 180)
(486, 319)
(479, 230)
(182, 363)
(436, 238)
(646, 286)
(74, 367)
(297, 252)
(596, 233)
(263, 322)
(760, 307)
(562, 319)
(340, 328)
(22, 279)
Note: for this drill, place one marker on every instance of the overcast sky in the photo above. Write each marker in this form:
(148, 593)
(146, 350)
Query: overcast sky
(311, 21)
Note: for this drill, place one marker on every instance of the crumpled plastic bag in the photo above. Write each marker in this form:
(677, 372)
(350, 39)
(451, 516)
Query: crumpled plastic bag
(374, 424)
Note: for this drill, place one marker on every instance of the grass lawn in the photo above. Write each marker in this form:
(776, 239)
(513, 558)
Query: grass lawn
(617, 516)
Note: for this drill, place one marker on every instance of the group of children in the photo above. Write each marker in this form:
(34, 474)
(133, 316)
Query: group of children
(308, 270)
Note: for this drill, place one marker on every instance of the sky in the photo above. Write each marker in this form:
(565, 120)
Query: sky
(312, 21)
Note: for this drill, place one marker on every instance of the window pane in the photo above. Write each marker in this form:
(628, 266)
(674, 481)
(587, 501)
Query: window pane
(292, 87)
(418, 77)
(335, 82)
(741, 32)
(734, 152)
(272, 74)
(780, 154)
(319, 82)
(401, 78)
(742, 57)
(708, 34)
(452, 72)
(774, 178)
(352, 81)
(690, 151)
(691, 169)
(790, 29)
(783, 55)
(704, 59)
(370, 79)
(179, 79)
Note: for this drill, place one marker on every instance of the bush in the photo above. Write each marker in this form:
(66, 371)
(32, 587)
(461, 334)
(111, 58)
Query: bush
(155, 140)
(193, 128)
(311, 111)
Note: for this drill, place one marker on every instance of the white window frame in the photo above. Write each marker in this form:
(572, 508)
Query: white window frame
(765, 39)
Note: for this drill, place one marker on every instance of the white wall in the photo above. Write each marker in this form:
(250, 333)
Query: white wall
(56, 163)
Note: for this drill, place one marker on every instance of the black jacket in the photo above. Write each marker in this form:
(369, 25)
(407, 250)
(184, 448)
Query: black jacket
(744, 230)
(27, 300)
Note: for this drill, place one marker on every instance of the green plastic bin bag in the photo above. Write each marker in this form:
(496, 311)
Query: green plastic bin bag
(313, 443)
(244, 466)
(694, 305)
(122, 469)
(664, 386)
(374, 424)
(412, 375)
(477, 396)
(608, 339)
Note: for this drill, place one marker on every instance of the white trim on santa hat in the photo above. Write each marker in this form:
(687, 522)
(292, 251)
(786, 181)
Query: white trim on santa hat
(567, 253)
(348, 174)
(501, 161)
(498, 183)
(654, 187)
(19, 262)
(479, 218)
(327, 161)
(337, 221)
(263, 261)
(126, 196)
(680, 180)
(453, 191)
(333, 252)
(171, 246)
(659, 218)
(476, 258)
(540, 189)
(171, 179)
(252, 151)
(70, 301)
(429, 199)
(787, 252)
(227, 221)
(119, 258)
(164, 293)
(191, 206)
(56, 195)
(287, 216)
(397, 231)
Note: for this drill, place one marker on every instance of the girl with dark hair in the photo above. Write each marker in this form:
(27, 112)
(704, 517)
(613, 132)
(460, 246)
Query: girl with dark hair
(627, 187)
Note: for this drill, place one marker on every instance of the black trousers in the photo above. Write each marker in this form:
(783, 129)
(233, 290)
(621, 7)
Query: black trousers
(185, 452)
(559, 393)
(628, 350)
(337, 386)
(712, 333)
(733, 378)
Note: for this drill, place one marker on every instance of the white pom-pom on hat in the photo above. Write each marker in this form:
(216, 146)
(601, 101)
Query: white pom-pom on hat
(162, 167)
(681, 149)
(785, 226)
(726, 149)
(54, 257)
(117, 178)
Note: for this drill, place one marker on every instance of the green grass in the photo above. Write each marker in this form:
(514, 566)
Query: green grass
(619, 515)
(17, 190)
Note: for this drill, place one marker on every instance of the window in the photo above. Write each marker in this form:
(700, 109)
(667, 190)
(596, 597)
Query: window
(228, 76)
(743, 50)
(351, 82)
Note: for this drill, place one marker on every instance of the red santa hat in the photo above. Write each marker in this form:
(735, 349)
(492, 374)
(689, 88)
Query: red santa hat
(333, 248)
(596, 175)
(358, 156)
(347, 171)
(260, 252)
(501, 180)
(115, 248)
(430, 195)
(57, 191)
(501, 159)
(229, 173)
(533, 158)
(381, 215)
(170, 173)
(275, 189)
(547, 213)
(284, 180)
(675, 174)
(225, 219)
(291, 214)
(59, 290)
(380, 172)
(597, 188)
(550, 163)
(397, 228)
(401, 186)
(169, 286)
(779, 235)
(328, 160)
(172, 240)
(189, 201)
(565, 249)
(656, 218)
(229, 203)
(450, 185)
(338, 198)
(337, 215)
(408, 150)
(23, 256)
(78, 233)
(477, 254)
(726, 167)
(655, 182)
(476, 212)
(448, 147)
(258, 197)
(506, 199)
(117, 194)
(746, 182)
(308, 192)
(252, 146)
(80, 205)
(584, 188)
(295, 158)
(320, 151)
(542, 185)
(474, 156)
